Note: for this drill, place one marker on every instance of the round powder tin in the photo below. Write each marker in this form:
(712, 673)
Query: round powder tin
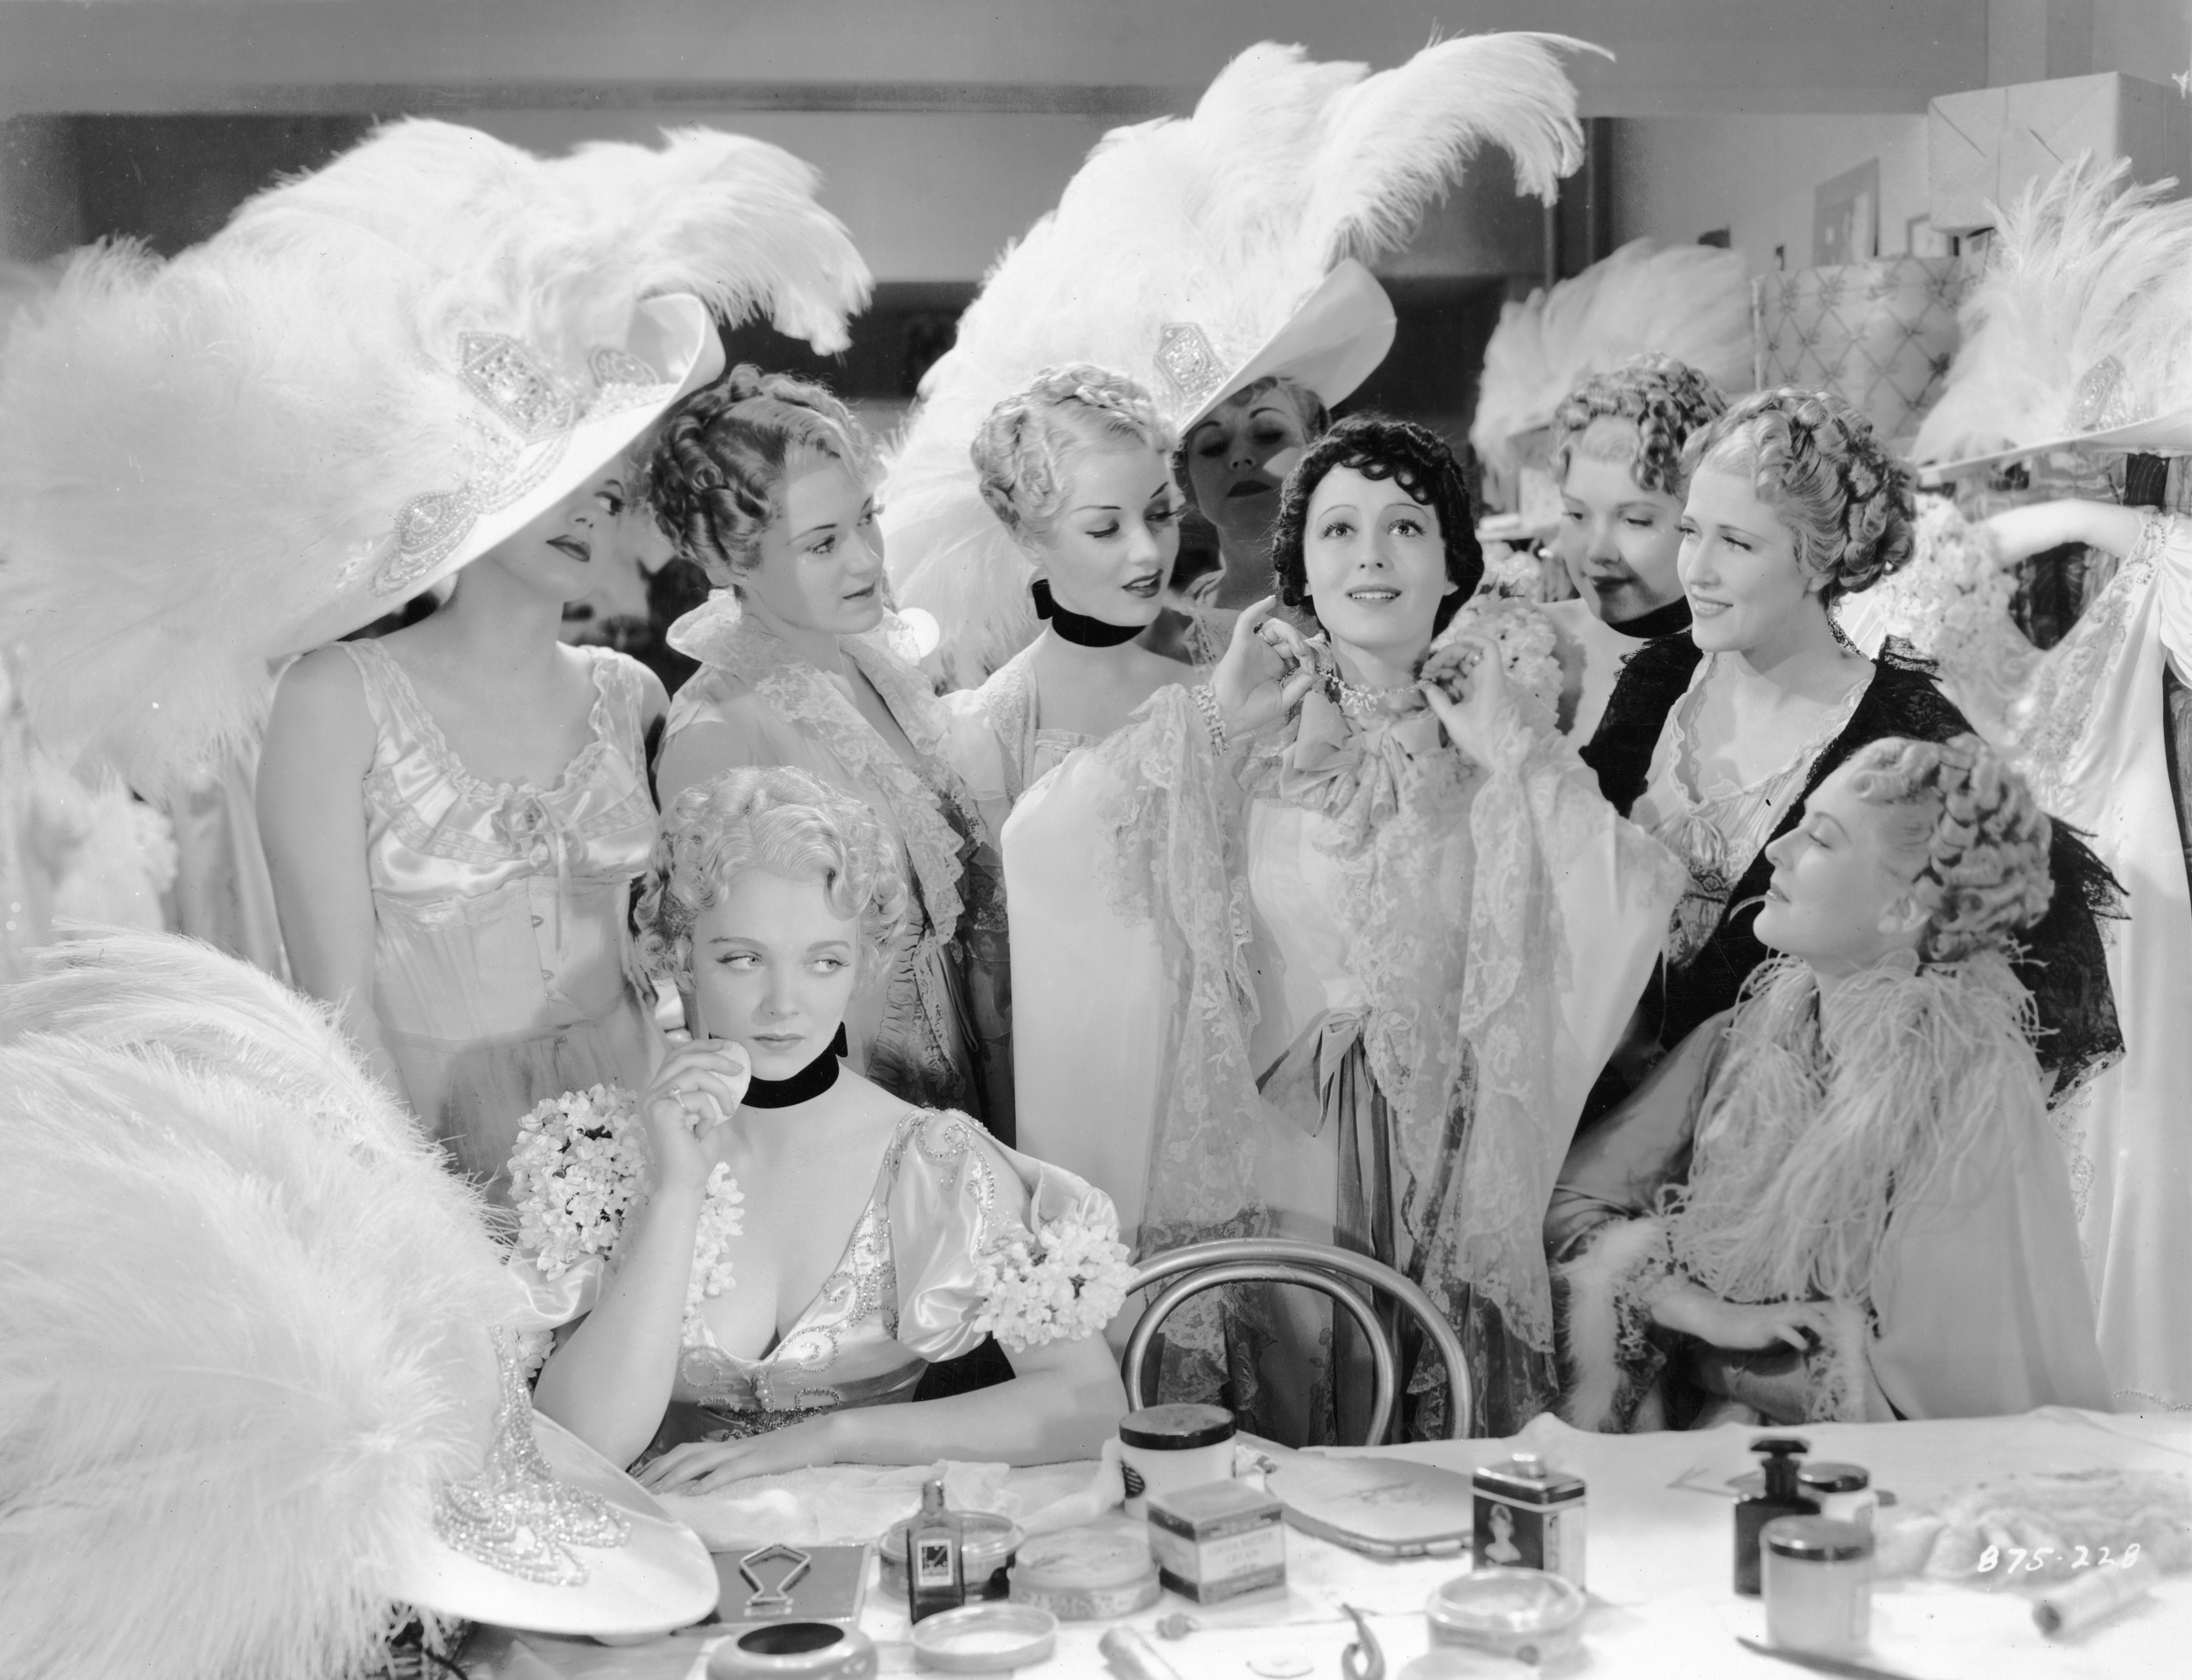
(1527, 1614)
(1087, 1574)
(795, 1650)
(985, 1638)
(987, 1543)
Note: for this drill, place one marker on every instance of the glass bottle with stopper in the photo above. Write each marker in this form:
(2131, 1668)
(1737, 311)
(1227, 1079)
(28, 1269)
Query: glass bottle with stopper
(1781, 1496)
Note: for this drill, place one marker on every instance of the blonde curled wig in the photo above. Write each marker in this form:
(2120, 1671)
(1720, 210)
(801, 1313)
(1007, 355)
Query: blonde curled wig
(787, 821)
(715, 471)
(1815, 461)
(1981, 838)
(1025, 453)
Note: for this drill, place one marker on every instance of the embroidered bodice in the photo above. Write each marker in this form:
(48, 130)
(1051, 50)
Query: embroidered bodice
(1716, 827)
(500, 907)
(907, 1288)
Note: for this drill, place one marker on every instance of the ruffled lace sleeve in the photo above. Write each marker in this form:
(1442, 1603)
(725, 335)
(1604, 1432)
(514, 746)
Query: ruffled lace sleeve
(987, 1240)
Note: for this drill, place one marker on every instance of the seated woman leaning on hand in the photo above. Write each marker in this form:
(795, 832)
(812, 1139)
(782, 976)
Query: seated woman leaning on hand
(798, 1244)
(1842, 1200)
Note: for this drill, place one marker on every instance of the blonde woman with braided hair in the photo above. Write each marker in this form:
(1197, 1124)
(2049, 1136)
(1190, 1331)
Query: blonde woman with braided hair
(768, 483)
(1711, 742)
(1842, 1200)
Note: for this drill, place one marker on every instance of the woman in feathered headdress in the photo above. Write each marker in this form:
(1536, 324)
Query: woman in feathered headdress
(427, 359)
(1842, 1200)
(1216, 260)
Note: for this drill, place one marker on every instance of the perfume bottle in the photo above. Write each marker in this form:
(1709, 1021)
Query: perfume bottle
(1781, 1497)
(935, 1577)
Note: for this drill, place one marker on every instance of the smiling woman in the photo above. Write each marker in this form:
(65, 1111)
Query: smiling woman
(767, 482)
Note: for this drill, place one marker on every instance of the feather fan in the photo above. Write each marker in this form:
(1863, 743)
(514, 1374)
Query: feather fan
(1227, 219)
(1692, 302)
(237, 1350)
(2088, 274)
(197, 456)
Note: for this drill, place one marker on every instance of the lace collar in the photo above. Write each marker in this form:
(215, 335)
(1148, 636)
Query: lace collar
(1355, 769)
(717, 633)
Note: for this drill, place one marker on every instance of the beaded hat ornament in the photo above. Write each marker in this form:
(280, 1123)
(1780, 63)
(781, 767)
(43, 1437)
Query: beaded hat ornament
(372, 375)
(1198, 254)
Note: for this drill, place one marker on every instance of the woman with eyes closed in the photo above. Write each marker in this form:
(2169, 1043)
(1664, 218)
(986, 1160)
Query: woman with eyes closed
(796, 1332)
(1295, 874)
(1712, 742)
(768, 483)
(453, 814)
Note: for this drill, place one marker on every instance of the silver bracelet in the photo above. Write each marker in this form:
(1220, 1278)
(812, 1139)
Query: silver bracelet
(1206, 702)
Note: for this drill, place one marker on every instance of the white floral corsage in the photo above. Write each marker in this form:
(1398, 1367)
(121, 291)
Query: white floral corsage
(1523, 634)
(1953, 592)
(1063, 1284)
(580, 1160)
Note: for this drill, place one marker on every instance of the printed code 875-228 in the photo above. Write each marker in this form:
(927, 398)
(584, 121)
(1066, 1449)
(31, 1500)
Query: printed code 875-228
(2033, 1560)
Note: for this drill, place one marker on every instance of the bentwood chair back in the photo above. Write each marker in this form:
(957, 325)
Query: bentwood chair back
(1316, 1266)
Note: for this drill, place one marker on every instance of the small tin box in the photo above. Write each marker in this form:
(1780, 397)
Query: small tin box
(1529, 1517)
(1218, 1542)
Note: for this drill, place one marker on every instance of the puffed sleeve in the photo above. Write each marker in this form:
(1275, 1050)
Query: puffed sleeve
(960, 1203)
(544, 1303)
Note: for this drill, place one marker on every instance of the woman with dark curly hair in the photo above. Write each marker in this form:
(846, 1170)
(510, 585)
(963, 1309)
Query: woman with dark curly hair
(1712, 742)
(767, 482)
(1617, 457)
(1335, 1001)
(1843, 1199)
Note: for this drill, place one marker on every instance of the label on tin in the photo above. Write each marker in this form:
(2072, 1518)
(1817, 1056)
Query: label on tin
(1509, 1535)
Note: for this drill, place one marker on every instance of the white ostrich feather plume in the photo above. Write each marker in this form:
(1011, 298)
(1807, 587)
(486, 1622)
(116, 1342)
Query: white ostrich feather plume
(1226, 220)
(2087, 271)
(197, 456)
(242, 1337)
(1692, 302)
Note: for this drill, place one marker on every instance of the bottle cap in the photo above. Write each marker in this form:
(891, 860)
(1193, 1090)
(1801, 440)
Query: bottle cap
(1817, 1539)
(1528, 1464)
(932, 1497)
(1822, 1476)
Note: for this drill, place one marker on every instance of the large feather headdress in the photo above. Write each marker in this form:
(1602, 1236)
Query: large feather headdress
(1692, 302)
(246, 1367)
(373, 374)
(2078, 333)
(1182, 247)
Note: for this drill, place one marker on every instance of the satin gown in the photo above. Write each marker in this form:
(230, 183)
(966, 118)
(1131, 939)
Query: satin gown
(502, 968)
(904, 1295)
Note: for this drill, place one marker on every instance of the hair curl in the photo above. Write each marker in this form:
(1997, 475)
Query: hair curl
(1667, 402)
(785, 821)
(1025, 453)
(1982, 837)
(715, 469)
(1816, 460)
(1379, 447)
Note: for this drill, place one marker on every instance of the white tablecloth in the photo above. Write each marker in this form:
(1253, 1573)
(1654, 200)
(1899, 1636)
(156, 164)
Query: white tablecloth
(1660, 1547)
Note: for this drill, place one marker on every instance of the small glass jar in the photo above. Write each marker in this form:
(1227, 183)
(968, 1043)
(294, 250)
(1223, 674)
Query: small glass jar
(1844, 1491)
(1818, 1578)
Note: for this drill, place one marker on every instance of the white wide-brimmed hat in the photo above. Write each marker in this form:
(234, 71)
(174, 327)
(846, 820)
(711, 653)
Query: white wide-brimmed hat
(372, 376)
(2078, 336)
(1197, 255)
(256, 1352)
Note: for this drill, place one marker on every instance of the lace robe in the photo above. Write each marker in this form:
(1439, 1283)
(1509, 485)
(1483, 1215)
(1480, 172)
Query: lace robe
(1342, 986)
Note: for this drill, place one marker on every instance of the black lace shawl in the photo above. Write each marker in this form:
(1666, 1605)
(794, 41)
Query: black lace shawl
(2065, 964)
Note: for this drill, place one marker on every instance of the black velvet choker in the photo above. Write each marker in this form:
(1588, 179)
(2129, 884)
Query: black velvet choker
(803, 1086)
(1658, 622)
(1078, 628)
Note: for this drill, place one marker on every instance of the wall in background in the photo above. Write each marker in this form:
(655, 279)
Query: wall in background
(1677, 177)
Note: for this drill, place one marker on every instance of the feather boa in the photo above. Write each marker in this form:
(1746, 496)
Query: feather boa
(1228, 219)
(241, 1338)
(1808, 1138)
